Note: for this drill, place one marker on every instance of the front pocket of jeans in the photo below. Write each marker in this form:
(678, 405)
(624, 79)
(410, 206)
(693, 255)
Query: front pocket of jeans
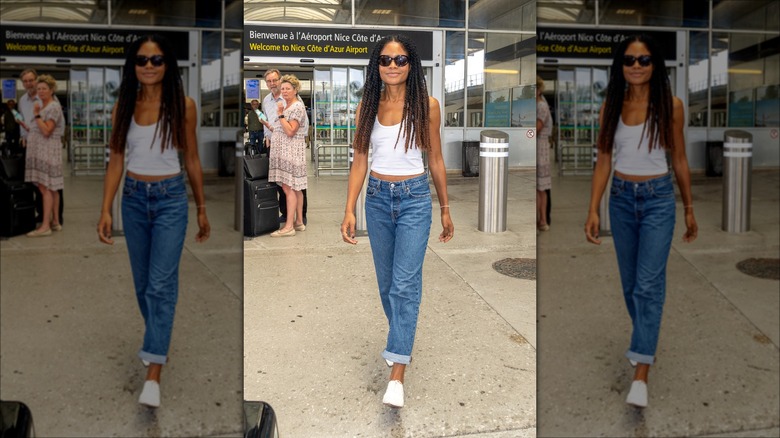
(372, 191)
(615, 190)
(419, 191)
(175, 191)
(662, 191)
(128, 190)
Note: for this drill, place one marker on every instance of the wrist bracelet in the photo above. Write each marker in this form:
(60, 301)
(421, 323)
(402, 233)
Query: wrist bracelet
(201, 206)
(688, 206)
(444, 206)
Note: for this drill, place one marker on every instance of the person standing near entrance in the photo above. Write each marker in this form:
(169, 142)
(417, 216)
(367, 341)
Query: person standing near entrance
(641, 121)
(43, 160)
(153, 120)
(27, 101)
(287, 159)
(255, 126)
(270, 102)
(543, 174)
(400, 121)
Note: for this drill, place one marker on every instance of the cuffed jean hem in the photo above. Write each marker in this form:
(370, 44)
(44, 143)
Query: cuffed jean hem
(153, 358)
(640, 358)
(397, 358)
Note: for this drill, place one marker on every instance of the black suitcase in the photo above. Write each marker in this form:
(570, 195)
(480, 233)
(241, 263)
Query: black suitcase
(17, 208)
(261, 207)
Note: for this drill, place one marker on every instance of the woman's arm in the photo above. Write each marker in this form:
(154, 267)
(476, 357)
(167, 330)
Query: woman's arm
(290, 127)
(438, 171)
(116, 165)
(357, 174)
(681, 171)
(194, 170)
(46, 126)
(598, 184)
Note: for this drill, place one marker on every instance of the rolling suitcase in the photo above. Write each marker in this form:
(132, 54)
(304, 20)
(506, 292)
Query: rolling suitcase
(261, 207)
(17, 208)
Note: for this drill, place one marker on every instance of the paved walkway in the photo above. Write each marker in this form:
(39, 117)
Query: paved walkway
(71, 328)
(314, 328)
(718, 369)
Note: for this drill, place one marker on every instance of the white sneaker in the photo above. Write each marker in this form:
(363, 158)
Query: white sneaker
(638, 394)
(632, 362)
(150, 396)
(394, 396)
(145, 362)
(389, 363)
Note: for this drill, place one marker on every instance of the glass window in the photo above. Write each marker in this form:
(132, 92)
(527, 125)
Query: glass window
(744, 81)
(231, 81)
(454, 82)
(690, 13)
(502, 14)
(76, 11)
(234, 14)
(210, 78)
(698, 78)
(187, 13)
(303, 11)
(497, 64)
(433, 13)
(565, 11)
(746, 14)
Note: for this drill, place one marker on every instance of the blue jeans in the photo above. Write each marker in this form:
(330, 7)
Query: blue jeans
(642, 217)
(154, 216)
(256, 139)
(398, 218)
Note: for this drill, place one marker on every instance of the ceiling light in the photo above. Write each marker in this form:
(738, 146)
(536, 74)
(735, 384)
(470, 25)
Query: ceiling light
(382, 11)
(501, 71)
(138, 11)
(626, 11)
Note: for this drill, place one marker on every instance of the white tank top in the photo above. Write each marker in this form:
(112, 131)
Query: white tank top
(389, 157)
(144, 156)
(632, 156)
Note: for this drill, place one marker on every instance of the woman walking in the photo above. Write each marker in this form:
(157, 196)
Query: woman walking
(152, 121)
(287, 157)
(400, 121)
(641, 121)
(43, 161)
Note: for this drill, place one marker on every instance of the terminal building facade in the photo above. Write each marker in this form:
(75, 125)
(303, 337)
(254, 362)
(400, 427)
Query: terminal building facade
(723, 58)
(82, 45)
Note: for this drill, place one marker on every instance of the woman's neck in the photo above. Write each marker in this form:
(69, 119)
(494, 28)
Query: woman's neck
(394, 93)
(150, 93)
(638, 93)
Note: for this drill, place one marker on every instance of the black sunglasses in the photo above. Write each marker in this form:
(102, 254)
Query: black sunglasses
(644, 60)
(157, 60)
(400, 60)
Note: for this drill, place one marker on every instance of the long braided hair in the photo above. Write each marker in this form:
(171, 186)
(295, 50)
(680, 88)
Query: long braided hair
(658, 122)
(415, 119)
(172, 102)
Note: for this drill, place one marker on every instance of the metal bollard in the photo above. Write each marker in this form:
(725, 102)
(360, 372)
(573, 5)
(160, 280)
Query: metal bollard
(360, 207)
(238, 222)
(605, 228)
(737, 167)
(493, 178)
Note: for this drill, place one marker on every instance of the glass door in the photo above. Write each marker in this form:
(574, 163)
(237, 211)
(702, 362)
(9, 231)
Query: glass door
(335, 96)
(92, 93)
(580, 92)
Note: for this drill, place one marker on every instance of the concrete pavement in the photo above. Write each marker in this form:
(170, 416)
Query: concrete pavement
(314, 328)
(71, 328)
(718, 368)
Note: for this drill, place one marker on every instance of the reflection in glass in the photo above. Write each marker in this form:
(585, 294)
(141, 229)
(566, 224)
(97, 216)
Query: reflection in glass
(210, 78)
(303, 11)
(454, 74)
(232, 79)
(698, 73)
(673, 13)
(552, 12)
(746, 14)
(188, 13)
(502, 14)
(430, 13)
